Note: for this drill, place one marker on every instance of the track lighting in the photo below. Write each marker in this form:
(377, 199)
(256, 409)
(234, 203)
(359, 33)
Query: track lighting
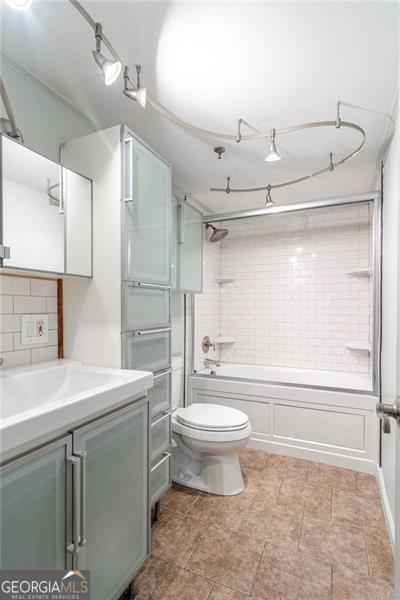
(110, 68)
(19, 4)
(140, 93)
(268, 197)
(273, 155)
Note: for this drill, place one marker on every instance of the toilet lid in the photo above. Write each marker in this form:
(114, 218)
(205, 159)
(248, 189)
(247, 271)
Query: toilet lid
(212, 417)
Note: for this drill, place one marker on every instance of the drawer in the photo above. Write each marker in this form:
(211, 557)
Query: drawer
(147, 350)
(145, 306)
(160, 478)
(160, 394)
(160, 436)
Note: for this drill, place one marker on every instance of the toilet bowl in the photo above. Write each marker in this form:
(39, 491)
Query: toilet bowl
(206, 440)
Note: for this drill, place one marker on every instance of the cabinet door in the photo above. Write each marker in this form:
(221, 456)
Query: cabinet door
(78, 223)
(190, 240)
(147, 350)
(148, 214)
(34, 512)
(32, 209)
(114, 524)
(145, 306)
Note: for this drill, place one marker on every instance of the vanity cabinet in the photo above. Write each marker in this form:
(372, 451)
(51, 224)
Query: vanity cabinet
(46, 209)
(113, 530)
(82, 502)
(35, 501)
(187, 255)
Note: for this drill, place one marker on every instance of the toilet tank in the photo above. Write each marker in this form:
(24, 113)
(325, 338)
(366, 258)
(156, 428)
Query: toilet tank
(177, 382)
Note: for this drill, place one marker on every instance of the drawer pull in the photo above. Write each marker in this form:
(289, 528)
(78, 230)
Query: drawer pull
(151, 331)
(164, 416)
(167, 372)
(165, 457)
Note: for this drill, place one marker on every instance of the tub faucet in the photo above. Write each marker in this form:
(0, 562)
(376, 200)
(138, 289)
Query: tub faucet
(210, 361)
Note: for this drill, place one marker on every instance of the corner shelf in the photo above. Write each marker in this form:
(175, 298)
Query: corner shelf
(224, 339)
(361, 273)
(222, 280)
(359, 346)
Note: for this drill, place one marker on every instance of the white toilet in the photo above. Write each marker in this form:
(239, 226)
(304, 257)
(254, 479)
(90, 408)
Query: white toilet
(206, 440)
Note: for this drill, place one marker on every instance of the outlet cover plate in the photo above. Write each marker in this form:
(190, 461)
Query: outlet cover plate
(34, 329)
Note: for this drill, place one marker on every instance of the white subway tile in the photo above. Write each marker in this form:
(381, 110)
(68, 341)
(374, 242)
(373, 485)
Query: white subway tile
(10, 323)
(43, 354)
(29, 304)
(6, 342)
(6, 304)
(14, 285)
(43, 287)
(16, 359)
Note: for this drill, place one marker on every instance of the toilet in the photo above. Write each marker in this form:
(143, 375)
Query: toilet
(206, 439)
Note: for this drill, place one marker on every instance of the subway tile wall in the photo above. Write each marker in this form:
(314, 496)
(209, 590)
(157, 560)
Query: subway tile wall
(292, 302)
(23, 295)
(208, 304)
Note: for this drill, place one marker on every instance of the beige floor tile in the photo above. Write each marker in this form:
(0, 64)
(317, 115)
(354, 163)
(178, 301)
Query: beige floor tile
(276, 524)
(287, 466)
(359, 587)
(367, 487)
(379, 552)
(155, 579)
(188, 586)
(335, 477)
(174, 537)
(339, 543)
(227, 558)
(179, 499)
(224, 511)
(220, 592)
(252, 459)
(301, 496)
(357, 509)
(300, 577)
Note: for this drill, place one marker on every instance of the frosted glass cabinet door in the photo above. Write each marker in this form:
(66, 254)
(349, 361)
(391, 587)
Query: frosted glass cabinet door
(115, 498)
(148, 215)
(34, 523)
(32, 207)
(147, 350)
(190, 240)
(146, 306)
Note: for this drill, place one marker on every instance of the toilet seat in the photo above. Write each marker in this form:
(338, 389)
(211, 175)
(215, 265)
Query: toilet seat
(204, 435)
(211, 417)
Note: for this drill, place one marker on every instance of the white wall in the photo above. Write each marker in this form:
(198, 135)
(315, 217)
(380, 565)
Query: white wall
(45, 119)
(22, 295)
(390, 316)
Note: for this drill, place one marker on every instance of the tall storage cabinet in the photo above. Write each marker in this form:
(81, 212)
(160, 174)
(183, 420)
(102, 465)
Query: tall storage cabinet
(130, 292)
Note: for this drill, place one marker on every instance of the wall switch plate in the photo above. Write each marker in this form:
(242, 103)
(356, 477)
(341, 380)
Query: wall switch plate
(34, 329)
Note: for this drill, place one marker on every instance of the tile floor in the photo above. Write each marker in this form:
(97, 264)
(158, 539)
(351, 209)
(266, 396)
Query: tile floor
(300, 531)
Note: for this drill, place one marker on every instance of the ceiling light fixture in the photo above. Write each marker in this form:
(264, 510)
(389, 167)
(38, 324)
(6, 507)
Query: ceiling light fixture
(110, 68)
(138, 92)
(219, 150)
(19, 4)
(273, 154)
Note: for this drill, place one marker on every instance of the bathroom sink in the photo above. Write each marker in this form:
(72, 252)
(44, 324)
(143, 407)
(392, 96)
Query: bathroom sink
(44, 400)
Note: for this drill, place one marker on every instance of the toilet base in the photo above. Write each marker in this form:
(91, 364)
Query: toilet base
(211, 473)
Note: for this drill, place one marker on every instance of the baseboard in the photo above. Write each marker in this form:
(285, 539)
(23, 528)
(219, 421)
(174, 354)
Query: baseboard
(328, 458)
(386, 506)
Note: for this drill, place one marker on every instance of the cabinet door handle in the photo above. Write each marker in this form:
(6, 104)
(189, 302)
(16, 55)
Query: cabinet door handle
(163, 416)
(150, 331)
(167, 372)
(74, 547)
(181, 233)
(165, 457)
(82, 455)
(157, 286)
(129, 196)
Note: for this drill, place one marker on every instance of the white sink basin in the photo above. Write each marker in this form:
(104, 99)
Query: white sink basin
(40, 401)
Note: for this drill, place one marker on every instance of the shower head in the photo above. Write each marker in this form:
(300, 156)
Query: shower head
(217, 234)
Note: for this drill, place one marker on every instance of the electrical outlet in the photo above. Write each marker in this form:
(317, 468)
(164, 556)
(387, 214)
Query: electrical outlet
(34, 329)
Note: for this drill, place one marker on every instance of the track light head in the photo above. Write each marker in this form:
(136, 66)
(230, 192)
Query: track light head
(273, 154)
(19, 4)
(140, 93)
(110, 68)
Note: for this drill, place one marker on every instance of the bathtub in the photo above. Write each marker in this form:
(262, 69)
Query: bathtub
(324, 416)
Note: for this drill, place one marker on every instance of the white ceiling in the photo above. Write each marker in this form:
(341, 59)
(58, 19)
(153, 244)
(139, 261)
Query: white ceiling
(272, 63)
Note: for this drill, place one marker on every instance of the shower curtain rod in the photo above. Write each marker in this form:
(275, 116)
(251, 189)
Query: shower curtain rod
(283, 208)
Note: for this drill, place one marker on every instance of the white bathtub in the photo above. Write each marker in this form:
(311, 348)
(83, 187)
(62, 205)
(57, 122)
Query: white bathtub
(324, 416)
(288, 376)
